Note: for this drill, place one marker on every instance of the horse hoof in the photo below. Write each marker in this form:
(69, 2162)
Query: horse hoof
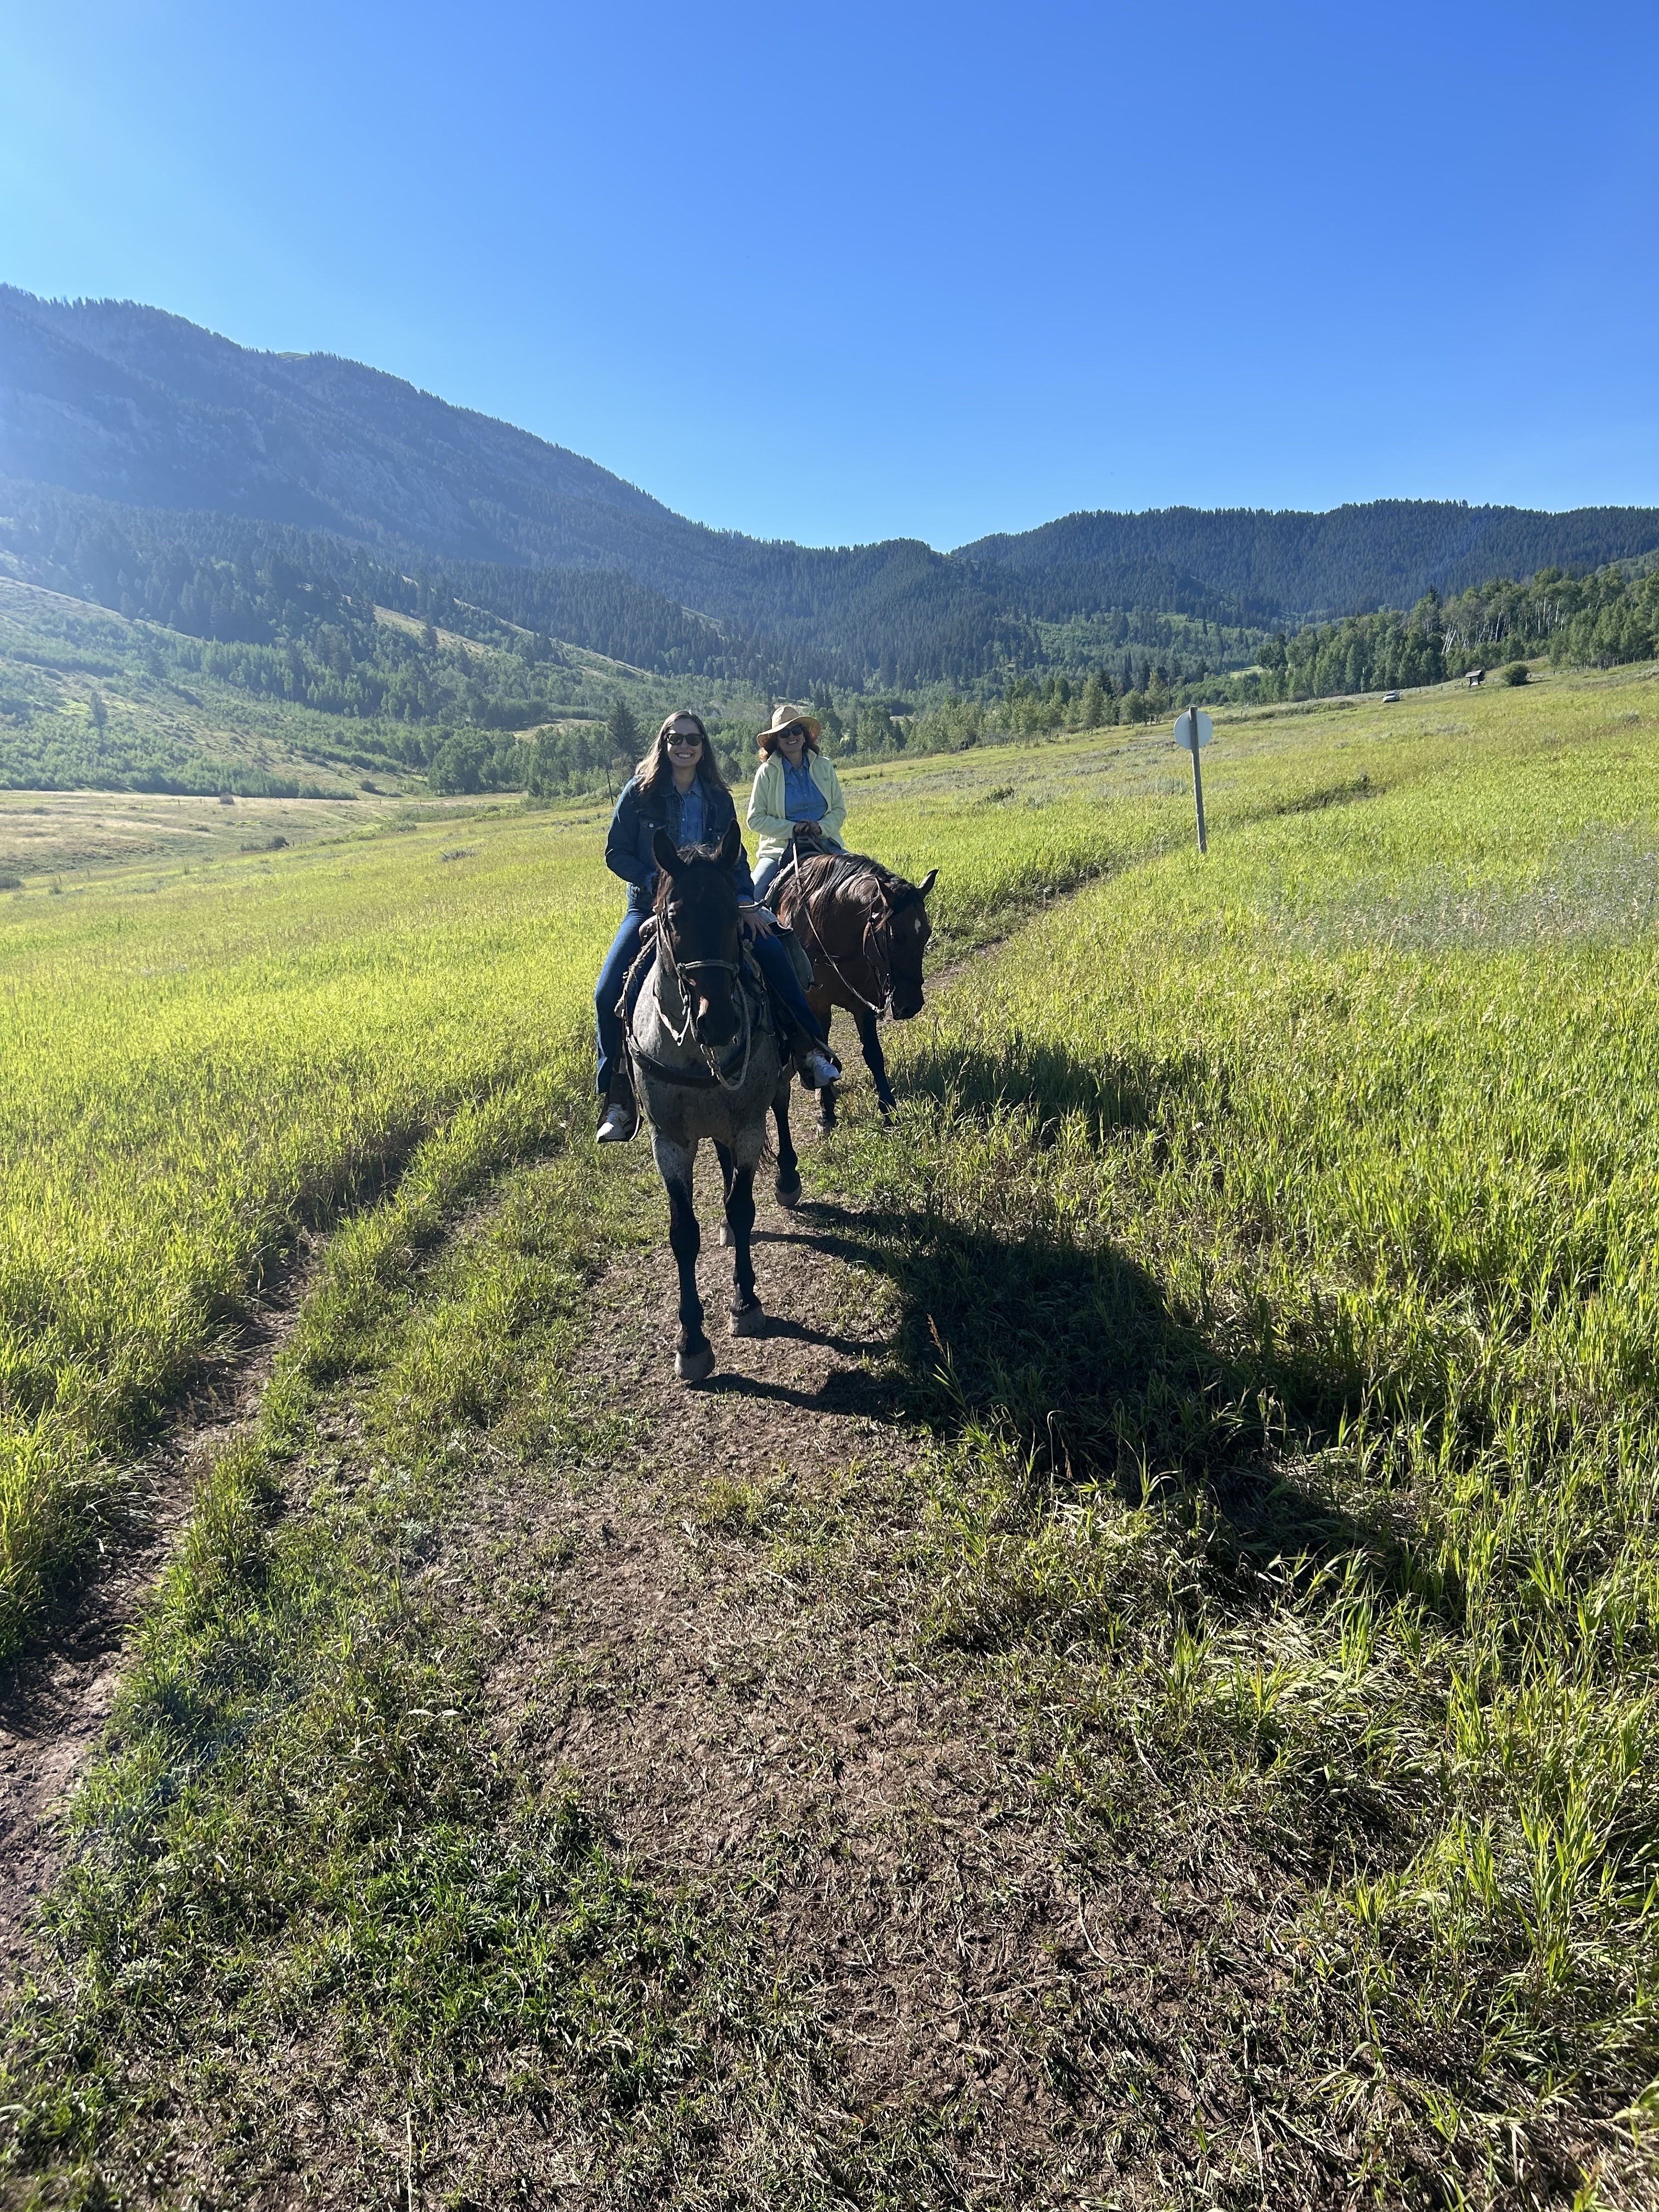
(745, 1320)
(695, 1366)
(788, 1194)
(727, 1238)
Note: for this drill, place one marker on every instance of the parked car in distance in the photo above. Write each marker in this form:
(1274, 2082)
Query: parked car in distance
(1390, 698)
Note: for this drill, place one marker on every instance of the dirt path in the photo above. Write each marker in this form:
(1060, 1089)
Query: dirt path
(773, 1731)
(55, 1700)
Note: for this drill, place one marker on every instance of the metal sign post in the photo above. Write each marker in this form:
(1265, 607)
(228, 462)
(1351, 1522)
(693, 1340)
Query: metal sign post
(1194, 729)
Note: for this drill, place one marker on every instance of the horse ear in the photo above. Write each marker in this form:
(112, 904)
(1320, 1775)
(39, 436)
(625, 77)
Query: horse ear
(666, 853)
(927, 882)
(727, 852)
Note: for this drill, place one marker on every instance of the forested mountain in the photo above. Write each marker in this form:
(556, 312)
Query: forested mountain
(1275, 566)
(216, 455)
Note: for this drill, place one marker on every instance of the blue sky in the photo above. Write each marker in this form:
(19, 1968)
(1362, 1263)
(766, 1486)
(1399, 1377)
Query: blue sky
(844, 273)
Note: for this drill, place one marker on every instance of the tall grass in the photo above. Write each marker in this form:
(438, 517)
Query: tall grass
(1302, 1207)
(193, 1073)
(194, 1068)
(1275, 1234)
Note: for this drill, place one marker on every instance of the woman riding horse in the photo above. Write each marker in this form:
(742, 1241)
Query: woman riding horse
(678, 788)
(796, 805)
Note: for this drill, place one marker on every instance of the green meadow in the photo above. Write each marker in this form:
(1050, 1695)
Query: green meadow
(1272, 1237)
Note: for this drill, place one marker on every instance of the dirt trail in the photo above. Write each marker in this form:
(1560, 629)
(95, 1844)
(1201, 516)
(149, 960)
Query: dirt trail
(781, 1737)
(55, 1701)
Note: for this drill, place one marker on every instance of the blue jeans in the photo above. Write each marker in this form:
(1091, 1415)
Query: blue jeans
(624, 950)
(770, 958)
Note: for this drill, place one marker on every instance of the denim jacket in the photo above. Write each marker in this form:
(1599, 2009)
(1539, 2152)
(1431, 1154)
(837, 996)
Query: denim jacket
(637, 821)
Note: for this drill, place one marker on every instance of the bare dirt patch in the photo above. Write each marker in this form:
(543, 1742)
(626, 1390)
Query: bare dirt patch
(56, 1699)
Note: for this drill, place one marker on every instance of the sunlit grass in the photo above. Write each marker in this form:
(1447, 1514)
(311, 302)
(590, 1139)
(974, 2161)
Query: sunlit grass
(1274, 1236)
(193, 1069)
(1322, 1397)
(193, 1073)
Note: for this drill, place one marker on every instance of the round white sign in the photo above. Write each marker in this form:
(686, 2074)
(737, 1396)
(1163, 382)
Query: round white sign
(1184, 728)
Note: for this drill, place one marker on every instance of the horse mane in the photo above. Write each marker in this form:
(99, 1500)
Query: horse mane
(839, 867)
(666, 882)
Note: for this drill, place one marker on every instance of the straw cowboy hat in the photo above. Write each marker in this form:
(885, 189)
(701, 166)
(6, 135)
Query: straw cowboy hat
(786, 717)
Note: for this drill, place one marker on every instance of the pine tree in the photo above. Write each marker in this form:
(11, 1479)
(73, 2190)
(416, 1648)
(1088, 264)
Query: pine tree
(624, 732)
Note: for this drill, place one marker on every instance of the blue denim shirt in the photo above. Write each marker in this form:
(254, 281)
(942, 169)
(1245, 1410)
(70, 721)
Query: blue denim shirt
(802, 799)
(637, 819)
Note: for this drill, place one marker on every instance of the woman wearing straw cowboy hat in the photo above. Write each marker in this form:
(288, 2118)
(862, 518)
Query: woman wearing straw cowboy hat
(796, 805)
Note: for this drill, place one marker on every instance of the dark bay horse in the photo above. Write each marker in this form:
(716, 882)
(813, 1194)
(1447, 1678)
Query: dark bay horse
(865, 931)
(706, 1063)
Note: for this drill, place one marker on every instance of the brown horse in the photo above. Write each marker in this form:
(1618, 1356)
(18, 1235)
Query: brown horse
(865, 930)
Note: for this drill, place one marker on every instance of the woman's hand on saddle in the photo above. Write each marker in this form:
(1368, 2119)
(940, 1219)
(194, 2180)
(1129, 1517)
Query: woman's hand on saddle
(757, 918)
(805, 833)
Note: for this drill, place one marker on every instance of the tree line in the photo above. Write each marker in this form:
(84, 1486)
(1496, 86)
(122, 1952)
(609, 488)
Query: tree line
(1609, 615)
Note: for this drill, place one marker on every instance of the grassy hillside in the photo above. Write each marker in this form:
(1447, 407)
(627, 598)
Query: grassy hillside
(1266, 1242)
(370, 702)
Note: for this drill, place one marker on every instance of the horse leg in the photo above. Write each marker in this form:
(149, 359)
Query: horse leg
(823, 1007)
(723, 1155)
(874, 1059)
(787, 1185)
(693, 1359)
(746, 1315)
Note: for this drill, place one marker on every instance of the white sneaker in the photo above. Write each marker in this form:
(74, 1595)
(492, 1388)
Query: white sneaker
(818, 1067)
(619, 1123)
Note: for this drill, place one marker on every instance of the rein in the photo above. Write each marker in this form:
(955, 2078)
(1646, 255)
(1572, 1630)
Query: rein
(876, 957)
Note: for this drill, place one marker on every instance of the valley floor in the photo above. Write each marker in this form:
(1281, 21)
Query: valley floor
(1138, 1689)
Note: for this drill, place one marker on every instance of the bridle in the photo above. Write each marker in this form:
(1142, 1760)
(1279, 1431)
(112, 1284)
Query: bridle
(876, 947)
(687, 1034)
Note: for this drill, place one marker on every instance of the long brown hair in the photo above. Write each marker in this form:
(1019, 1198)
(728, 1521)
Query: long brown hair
(655, 770)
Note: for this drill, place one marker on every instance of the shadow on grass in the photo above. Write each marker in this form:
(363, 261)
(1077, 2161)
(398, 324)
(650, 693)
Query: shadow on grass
(1076, 1356)
(1117, 1091)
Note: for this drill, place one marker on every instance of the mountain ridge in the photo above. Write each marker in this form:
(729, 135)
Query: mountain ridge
(119, 402)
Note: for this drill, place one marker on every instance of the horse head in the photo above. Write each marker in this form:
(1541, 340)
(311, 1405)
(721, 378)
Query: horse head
(697, 910)
(907, 930)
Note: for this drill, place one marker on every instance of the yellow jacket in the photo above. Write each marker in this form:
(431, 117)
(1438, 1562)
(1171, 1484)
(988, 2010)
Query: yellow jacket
(767, 818)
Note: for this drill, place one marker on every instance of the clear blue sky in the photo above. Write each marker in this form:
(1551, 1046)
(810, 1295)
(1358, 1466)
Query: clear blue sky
(839, 273)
